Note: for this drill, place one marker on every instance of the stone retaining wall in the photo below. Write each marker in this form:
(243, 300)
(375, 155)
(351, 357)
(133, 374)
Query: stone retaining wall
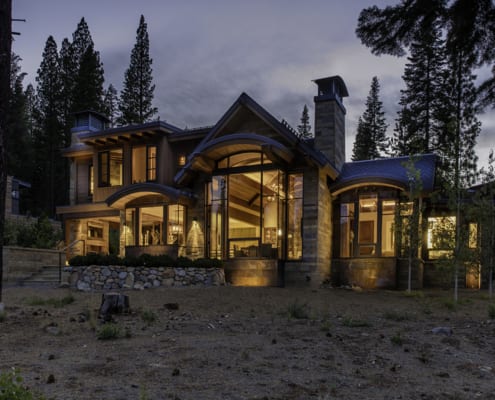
(22, 262)
(120, 277)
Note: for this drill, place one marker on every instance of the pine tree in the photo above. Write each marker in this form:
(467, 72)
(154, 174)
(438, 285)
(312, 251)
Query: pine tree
(49, 135)
(304, 128)
(371, 141)
(137, 94)
(18, 139)
(111, 104)
(88, 86)
(424, 75)
(30, 96)
(68, 74)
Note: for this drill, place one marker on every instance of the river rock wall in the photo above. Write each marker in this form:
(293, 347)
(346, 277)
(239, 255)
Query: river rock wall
(97, 277)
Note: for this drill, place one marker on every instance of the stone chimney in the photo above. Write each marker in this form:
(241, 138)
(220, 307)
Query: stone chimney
(330, 119)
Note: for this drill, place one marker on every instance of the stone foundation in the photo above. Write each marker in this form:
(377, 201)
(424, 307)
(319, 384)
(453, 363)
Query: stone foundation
(97, 277)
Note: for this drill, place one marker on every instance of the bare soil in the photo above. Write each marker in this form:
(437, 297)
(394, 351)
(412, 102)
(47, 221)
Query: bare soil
(252, 343)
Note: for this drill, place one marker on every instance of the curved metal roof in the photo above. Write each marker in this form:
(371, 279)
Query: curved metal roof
(387, 171)
(132, 192)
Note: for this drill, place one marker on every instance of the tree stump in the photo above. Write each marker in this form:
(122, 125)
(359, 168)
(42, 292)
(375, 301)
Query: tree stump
(113, 303)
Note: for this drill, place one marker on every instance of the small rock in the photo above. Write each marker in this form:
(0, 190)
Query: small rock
(442, 330)
(172, 306)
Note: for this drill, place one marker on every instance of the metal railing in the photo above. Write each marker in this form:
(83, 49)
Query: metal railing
(62, 251)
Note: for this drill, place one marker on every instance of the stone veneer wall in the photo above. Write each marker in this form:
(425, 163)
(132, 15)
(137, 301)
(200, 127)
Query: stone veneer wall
(22, 262)
(96, 277)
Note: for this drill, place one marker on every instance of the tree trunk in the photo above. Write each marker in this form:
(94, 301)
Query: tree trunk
(5, 55)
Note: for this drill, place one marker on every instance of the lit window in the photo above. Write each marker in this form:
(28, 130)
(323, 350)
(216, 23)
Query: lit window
(367, 229)
(441, 236)
(473, 235)
(151, 163)
(110, 167)
(182, 160)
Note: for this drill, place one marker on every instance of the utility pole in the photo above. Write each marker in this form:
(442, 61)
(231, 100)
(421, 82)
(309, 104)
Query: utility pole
(5, 56)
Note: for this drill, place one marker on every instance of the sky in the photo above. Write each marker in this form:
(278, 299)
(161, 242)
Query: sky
(207, 52)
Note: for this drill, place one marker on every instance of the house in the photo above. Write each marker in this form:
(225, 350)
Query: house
(279, 210)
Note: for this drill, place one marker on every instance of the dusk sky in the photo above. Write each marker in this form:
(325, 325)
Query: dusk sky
(206, 53)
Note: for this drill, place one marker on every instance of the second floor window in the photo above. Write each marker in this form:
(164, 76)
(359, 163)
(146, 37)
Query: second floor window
(143, 164)
(110, 167)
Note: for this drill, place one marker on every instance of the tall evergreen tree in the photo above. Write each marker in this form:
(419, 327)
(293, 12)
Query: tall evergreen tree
(304, 128)
(30, 97)
(49, 135)
(18, 139)
(137, 94)
(68, 75)
(111, 104)
(371, 141)
(421, 100)
(88, 86)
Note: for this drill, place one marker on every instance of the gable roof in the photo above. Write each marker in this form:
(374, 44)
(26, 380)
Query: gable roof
(289, 141)
(387, 171)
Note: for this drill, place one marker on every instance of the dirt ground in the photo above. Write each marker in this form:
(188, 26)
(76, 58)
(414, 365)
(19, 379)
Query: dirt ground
(252, 343)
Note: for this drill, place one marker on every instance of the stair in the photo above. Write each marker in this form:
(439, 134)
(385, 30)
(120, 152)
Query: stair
(47, 276)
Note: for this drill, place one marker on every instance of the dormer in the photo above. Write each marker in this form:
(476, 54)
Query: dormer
(86, 122)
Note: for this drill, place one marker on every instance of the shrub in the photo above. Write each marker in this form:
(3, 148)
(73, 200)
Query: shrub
(3, 316)
(148, 316)
(491, 311)
(108, 332)
(355, 323)
(397, 339)
(39, 233)
(298, 310)
(11, 388)
(147, 260)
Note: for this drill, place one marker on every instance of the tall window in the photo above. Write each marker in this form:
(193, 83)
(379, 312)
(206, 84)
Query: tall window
(151, 163)
(91, 180)
(110, 167)
(367, 229)
(216, 197)
(246, 208)
(441, 236)
(143, 164)
(294, 216)
(346, 229)
(175, 226)
(151, 226)
(367, 224)
(388, 228)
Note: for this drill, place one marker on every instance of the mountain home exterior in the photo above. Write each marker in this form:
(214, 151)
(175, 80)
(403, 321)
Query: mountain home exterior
(277, 209)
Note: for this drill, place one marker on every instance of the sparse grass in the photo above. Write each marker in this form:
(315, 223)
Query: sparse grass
(417, 294)
(54, 302)
(297, 310)
(397, 339)
(109, 332)
(398, 316)
(355, 323)
(491, 311)
(326, 325)
(91, 318)
(149, 317)
(12, 387)
(143, 393)
(449, 304)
